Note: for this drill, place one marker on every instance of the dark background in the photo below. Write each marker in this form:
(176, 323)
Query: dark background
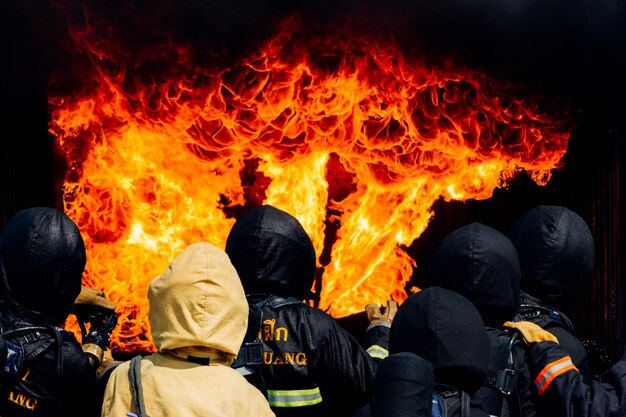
(573, 50)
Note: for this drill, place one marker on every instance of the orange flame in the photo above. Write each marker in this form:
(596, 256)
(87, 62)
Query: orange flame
(345, 130)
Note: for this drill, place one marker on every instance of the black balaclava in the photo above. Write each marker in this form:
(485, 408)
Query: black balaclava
(42, 258)
(481, 264)
(272, 253)
(403, 387)
(555, 250)
(444, 328)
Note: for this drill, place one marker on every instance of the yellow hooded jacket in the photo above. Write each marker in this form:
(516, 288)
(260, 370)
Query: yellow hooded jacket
(197, 308)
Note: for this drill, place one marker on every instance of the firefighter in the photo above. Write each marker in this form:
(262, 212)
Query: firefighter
(562, 389)
(307, 365)
(403, 387)
(42, 257)
(556, 254)
(481, 264)
(445, 328)
(198, 317)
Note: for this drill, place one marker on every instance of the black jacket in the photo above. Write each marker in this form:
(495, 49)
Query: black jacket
(311, 366)
(58, 380)
(42, 257)
(444, 328)
(481, 263)
(563, 390)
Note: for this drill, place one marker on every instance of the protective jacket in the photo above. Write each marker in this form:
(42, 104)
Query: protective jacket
(556, 254)
(481, 264)
(444, 328)
(42, 257)
(310, 365)
(564, 392)
(198, 317)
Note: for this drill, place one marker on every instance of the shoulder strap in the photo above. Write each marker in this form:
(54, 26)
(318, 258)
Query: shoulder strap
(250, 356)
(534, 312)
(498, 394)
(502, 376)
(24, 344)
(19, 337)
(278, 302)
(134, 374)
(515, 403)
(506, 380)
(251, 351)
(465, 404)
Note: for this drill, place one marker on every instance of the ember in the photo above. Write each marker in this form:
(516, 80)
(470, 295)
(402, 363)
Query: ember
(342, 129)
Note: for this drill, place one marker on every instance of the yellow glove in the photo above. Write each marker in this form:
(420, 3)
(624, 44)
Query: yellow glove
(91, 297)
(376, 317)
(107, 362)
(530, 332)
(96, 317)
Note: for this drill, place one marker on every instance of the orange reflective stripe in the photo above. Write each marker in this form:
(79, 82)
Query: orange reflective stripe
(551, 371)
(547, 368)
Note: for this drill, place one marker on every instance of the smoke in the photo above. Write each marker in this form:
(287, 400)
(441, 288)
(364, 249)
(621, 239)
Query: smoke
(564, 29)
(563, 47)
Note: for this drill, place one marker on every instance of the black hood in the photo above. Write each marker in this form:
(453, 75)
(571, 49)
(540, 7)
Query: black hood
(43, 258)
(481, 264)
(272, 253)
(403, 386)
(444, 328)
(555, 250)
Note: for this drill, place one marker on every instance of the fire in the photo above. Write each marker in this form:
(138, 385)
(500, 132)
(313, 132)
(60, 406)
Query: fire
(342, 130)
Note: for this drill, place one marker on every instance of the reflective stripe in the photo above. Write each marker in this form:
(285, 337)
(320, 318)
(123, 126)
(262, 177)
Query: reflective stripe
(551, 371)
(244, 371)
(377, 352)
(294, 398)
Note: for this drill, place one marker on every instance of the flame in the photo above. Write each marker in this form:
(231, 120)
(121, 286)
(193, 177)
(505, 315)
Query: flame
(344, 130)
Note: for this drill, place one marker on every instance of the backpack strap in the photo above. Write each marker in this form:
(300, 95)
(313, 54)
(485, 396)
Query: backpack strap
(24, 343)
(278, 302)
(19, 355)
(515, 402)
(250, 357)
(134, 374)
(498, 393)
(530, 312)
(506, 379)
(251, 350)
(465, 404)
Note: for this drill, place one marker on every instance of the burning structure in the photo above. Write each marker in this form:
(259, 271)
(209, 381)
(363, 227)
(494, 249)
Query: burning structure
(169, 123)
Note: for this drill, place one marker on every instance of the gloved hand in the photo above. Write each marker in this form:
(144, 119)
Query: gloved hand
(100, 331)
(108, 363)
(93, 308)
(530, 332)
(378, 318)
(92, 297)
